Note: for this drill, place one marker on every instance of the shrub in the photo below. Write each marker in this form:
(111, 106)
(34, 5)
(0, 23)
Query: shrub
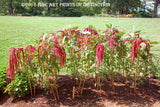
(55, 15)
(2, 14)
(2, 79)
(20, 86)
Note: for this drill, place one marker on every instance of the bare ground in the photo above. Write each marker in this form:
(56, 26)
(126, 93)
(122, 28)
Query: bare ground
(148, 95)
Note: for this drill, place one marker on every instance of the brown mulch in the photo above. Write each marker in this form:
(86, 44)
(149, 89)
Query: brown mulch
(148, 95)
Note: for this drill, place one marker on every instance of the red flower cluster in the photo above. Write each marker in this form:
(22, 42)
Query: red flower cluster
(136, 48)
(99, 54)
(15, 61)
(61, 55)
(92, 31)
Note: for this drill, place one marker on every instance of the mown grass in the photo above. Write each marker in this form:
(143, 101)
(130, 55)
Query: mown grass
(21, 30)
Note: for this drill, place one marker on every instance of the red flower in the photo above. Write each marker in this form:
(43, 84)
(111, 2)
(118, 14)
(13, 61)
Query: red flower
(99, 53)
(92, 31)
(12, 62)
(136, 48)
(115, 31)
(61, 55)
(30, 53)
(113, 43)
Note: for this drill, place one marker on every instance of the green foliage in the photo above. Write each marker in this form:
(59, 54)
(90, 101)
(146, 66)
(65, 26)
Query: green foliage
(2, 14)
(121, 6)
(20, 86)
(2, 79)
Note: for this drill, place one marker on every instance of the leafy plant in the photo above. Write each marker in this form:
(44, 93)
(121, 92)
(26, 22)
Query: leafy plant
(20, 86)
(85, 54)
(3, 82)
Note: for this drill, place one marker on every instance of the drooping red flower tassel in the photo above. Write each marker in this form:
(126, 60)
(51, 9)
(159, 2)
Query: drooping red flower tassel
(61, 55)
(136, 48)
(12, 63)
(99, 54)
(30, 53)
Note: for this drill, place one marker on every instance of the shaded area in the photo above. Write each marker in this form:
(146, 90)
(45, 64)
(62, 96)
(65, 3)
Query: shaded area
(147, 95)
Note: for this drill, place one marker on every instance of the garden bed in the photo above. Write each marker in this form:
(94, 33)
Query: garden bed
(147, 95)
(101, 69)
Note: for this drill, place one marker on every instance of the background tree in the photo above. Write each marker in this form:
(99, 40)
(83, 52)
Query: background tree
(156, 2)
(136, 7)
(124, 6)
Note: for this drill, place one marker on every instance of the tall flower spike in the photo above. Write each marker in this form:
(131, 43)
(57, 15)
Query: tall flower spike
(30, 53)
(61, 55)
(136, 48)
(12, 63)
(99, 54)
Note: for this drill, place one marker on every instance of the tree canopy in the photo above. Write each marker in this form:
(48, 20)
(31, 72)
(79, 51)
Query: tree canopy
(35, 7)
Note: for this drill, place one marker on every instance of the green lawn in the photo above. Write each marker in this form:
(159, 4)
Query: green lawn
(20, 30)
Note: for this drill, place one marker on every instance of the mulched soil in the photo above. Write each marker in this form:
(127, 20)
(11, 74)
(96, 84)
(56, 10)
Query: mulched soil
(148, 95)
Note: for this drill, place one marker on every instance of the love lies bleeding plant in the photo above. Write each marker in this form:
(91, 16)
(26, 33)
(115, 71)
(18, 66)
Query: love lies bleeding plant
(99, 55)
(84, 54)
(136, 51)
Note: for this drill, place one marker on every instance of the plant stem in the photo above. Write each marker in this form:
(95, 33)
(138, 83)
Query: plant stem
(73, 92)
(54, 76)
(49, 81)
(29, 83)
(80, 84)
(57, 92)
(112, 75)
(99, 81)
(113, 81)
(82, 87)
(136, 72)
(34, 90)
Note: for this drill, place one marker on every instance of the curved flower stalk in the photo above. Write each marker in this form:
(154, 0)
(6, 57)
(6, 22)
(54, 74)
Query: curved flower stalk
(41, 51)
(12, 63)
(30, 49)
(136, 51)
(19, 52)
(61, 55)
(136, 48)
(16, 61)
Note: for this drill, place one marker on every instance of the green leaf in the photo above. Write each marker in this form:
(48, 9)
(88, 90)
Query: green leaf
(154, 42)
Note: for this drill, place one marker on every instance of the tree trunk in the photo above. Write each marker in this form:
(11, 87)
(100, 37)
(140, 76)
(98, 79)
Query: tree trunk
(127, 10)
(10, 8)
(155, 8)
(120, 12)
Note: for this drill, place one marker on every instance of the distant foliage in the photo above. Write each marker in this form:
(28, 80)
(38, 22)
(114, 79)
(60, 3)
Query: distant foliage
(120, 7)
